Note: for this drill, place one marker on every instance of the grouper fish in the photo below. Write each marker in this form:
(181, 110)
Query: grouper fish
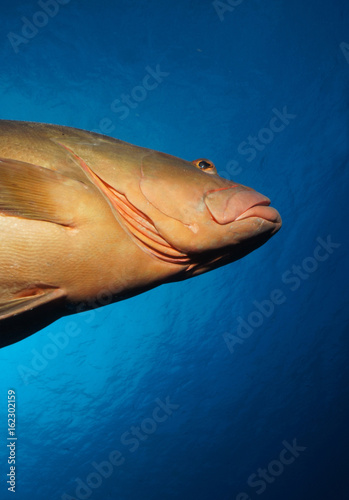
(87, 220)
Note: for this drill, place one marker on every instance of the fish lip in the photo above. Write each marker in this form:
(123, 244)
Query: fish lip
(266, 213)
(264, 203)
(234, 203)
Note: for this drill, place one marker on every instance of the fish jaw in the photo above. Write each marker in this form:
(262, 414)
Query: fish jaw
(237, 202)
(243, 220)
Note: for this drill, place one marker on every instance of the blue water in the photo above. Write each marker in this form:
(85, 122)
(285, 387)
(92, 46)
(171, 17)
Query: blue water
(87, 405)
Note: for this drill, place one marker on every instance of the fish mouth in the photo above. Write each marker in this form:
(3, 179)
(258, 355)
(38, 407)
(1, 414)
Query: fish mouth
(262, 211)
(237, 203)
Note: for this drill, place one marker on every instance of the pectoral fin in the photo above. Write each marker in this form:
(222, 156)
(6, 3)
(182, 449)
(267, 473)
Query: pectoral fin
(34, 298)
(23, 316)
(33, 192)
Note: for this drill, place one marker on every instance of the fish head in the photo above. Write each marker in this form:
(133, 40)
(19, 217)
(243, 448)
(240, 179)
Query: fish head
(210, 221)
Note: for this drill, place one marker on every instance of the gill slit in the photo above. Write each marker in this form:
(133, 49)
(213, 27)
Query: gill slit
(137, 224)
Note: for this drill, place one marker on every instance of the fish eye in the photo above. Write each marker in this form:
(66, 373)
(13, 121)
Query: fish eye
(206, 165)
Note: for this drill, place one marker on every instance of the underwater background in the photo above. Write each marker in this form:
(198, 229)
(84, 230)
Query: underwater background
(233, 385)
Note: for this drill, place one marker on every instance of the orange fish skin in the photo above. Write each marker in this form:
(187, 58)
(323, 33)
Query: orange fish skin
(86, 220)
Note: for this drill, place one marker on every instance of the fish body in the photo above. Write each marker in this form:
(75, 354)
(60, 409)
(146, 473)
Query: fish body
(87, 220)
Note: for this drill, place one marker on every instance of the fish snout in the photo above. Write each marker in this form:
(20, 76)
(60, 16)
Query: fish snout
(239, 202)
